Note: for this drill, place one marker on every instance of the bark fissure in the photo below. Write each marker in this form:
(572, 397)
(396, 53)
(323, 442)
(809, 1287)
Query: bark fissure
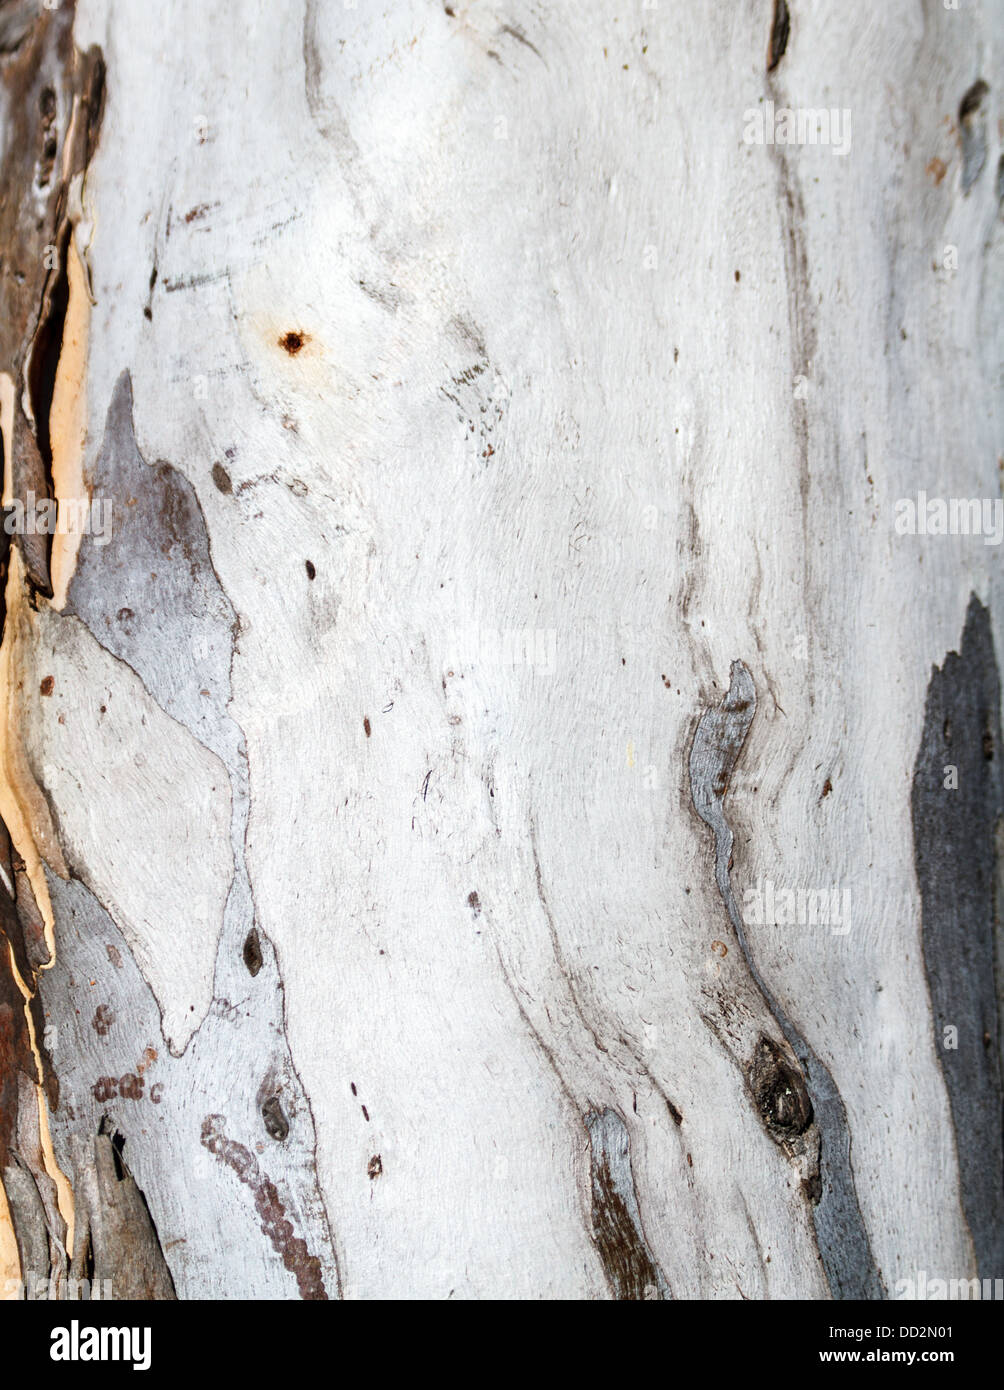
(793, 1091)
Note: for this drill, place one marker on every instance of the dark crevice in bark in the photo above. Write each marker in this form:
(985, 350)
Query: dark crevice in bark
(779, 31)
(957, 806)
(973, 133)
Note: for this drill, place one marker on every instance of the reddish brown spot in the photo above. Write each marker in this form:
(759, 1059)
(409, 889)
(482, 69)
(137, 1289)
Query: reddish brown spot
(375, 1167)
(222, 479)
(366, 727)
(131, 1087)
(827, 788)
(103, 1020)
(937, 168)
(293, 341)
(253, 958)
(47, 685)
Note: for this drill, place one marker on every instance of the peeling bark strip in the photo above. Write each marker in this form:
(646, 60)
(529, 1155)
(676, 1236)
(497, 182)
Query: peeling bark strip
(789, 1100)
(957, 848)
(295, 1256)
(51, 102)
(16, 1058)
(116, 1246)
(628, 1263)
(52, 99)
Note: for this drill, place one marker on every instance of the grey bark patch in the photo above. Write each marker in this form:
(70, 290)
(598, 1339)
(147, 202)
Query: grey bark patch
(150, 594)
(628, 1262)
(158, 1101)
(31, 1230)
(841, 1237)
(955, 836)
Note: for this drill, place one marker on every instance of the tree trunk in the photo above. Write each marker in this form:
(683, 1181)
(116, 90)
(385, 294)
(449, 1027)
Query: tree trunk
(501, 764)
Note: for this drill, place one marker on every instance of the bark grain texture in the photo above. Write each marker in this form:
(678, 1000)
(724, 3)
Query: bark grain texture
(491, 630)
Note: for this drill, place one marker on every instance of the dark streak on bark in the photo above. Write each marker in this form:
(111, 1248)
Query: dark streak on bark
(973, 133)
(779, 31)
(802, 309)
(957, 848)
(628, 1263)
(513, 31)
(788, 1100)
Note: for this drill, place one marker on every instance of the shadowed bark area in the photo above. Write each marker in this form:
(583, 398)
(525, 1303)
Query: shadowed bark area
(957, 806)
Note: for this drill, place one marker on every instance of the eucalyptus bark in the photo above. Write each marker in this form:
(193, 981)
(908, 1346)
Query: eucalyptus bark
(501, 781)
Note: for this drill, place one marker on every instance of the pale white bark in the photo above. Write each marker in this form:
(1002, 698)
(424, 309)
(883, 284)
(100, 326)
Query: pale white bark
(576, 362)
